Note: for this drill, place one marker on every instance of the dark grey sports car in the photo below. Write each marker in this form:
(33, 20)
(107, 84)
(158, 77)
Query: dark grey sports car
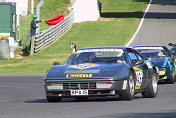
(102, 71)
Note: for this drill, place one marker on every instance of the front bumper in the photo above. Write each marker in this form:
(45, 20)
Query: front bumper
(83, 84)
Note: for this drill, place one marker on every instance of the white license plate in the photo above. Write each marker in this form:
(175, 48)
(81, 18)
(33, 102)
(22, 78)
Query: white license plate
(79, 92)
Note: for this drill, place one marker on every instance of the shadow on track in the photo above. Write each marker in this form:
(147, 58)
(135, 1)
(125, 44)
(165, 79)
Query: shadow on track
(151, 15)
(90, 99)
(159, 2)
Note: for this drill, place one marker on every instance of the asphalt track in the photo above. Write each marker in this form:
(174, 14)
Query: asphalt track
(159, 26)
(22, 95)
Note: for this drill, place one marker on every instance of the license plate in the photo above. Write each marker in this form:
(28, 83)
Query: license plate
(79, 92)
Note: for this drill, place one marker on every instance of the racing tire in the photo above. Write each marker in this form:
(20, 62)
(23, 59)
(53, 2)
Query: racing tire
(152, 88)
(171, 78)
(130, 91)
(53, 99)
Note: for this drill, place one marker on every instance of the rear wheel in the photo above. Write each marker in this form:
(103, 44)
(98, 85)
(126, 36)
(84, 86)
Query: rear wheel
(129, 92)
(152, 89)
(53, 99)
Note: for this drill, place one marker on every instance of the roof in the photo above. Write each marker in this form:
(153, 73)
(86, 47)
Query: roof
(107, 47)
(149, 46)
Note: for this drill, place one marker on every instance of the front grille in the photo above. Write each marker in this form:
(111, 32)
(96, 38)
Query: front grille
(91, 85)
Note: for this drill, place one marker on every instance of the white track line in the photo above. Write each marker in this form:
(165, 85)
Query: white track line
(140, 24)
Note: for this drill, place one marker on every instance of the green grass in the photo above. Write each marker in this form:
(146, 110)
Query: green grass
(113, 30)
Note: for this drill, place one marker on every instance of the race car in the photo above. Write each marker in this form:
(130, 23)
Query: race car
(163, 58)
(102, 71)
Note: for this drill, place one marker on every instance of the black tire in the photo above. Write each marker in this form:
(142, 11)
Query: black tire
(152, 88)
(171, 78)
(130, 91)
(53, 99)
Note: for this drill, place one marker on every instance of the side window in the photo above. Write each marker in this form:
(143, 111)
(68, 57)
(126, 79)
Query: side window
(132, 56)
(129, 60)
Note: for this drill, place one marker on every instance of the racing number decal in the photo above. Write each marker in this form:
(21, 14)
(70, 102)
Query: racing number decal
(139, 76)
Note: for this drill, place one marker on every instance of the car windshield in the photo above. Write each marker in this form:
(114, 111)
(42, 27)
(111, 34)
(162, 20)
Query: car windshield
(152, 52)
(97, 56)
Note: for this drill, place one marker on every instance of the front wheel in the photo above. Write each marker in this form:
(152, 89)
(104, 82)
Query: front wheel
(129, 92)
(171, 78)
(152, 88)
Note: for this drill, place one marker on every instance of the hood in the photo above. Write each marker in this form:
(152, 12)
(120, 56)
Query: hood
(161, 62)
(84, 70)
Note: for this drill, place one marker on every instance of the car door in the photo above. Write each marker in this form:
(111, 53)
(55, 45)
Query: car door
(140, 68)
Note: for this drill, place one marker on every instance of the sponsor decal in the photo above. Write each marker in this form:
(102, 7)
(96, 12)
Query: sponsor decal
(139, 76)
(78, 75)
(137, 86)
(84, 66)
(136, 69)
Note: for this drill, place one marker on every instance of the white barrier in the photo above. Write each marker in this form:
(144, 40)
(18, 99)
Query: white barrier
(86, 10)
(11, 45)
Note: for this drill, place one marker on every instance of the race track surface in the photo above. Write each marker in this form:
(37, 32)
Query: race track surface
(159, 26)
(23, 96)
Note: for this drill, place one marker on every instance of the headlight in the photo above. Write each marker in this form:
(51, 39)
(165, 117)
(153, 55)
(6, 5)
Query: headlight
(174, 60)
(54, 86)
(104, 84)
(162, 72)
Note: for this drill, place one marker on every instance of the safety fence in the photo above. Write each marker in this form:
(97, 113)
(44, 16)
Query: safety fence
(50, 35)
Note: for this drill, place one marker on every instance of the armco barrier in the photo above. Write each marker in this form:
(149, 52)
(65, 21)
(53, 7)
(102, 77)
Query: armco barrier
(53, 33)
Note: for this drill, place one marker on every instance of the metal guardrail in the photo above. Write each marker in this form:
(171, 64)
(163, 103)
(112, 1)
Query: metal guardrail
(53, 33)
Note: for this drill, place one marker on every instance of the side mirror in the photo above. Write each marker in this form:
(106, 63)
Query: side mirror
(56, 63)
